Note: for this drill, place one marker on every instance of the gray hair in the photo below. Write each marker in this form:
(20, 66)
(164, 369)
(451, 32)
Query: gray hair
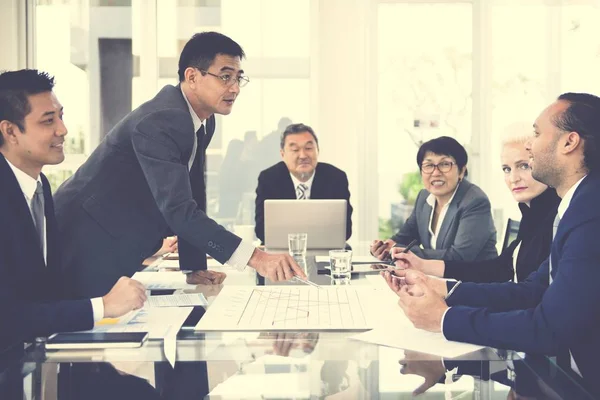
(297, 128)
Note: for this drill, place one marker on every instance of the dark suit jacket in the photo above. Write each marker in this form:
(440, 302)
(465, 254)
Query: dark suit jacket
(30, 292)
(467, 232)
(276, 183)
(535, 236)
(134, 190)
(534, 317)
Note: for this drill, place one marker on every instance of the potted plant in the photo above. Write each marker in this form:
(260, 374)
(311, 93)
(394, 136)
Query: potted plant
(409, 189)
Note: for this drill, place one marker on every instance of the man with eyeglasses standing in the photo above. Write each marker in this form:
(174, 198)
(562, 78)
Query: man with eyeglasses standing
(145, 181)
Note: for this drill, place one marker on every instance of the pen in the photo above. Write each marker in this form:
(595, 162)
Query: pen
(306, 281)
(406, 249)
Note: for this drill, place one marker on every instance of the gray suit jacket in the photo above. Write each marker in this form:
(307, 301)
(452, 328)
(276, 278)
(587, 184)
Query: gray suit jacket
(134, 190)
(467, 232)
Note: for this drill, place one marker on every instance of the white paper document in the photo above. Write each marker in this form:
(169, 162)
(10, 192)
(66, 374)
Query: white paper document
(162, 280)
(243, 308)
(157, 321)
(355, 259)
(410, 338)
(177, 300)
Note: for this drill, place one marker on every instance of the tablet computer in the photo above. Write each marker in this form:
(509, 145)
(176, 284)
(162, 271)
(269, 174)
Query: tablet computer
(96, 340)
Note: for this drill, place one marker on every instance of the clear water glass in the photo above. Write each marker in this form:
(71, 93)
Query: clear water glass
(297, 245)
(341, 266)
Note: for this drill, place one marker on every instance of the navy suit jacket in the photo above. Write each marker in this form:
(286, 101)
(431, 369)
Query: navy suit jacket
(134, 190)
(30, 292)
(535, 317)
(276, 183)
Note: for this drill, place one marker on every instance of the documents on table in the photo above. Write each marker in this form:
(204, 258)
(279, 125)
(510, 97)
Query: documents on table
(355, 259)
(162, 280)
(242, 308)
(177, 300)
(173, 265)
(157, 321)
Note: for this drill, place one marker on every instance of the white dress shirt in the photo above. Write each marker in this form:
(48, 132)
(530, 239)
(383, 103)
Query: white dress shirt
(240, 257)
(28, 186)
(308, 184)
(431, 201)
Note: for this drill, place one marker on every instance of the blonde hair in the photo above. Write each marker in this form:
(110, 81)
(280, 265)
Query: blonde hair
(517, 132)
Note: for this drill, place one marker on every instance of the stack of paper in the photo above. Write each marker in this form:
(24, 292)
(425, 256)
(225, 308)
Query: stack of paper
(162, 280)
(177, 300)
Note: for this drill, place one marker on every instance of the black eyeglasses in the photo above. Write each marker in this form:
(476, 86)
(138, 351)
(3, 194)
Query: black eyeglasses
(444, 166)
(228, 79)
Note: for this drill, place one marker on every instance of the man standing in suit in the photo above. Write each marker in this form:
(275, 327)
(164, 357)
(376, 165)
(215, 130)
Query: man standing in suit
(31, 302)
(556, 311)
(300, 176)
(145, 181)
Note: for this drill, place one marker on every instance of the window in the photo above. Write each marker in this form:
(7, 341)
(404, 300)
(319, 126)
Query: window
(424, 91)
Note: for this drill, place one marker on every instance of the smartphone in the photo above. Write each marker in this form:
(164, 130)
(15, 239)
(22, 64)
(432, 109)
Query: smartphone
(96, 340)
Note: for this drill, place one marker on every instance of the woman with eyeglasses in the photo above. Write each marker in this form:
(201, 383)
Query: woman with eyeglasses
(452, 217)
(538, 204)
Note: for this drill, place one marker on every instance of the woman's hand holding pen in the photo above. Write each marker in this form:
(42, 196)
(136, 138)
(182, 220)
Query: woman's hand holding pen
(381, 249)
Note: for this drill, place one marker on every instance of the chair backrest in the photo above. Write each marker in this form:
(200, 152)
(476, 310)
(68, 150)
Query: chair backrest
(512, 230)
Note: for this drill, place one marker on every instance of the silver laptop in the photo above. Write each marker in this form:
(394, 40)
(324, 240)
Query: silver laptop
(323, 220)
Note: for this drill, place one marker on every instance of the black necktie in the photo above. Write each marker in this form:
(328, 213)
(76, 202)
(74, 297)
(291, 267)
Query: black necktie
(37, 211)
(197, 171)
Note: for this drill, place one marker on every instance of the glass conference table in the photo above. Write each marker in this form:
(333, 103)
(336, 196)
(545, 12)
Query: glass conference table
(277, 365)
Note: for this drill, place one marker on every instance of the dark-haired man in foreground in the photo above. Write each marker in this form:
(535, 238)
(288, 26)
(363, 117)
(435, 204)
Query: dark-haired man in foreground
(31, 294)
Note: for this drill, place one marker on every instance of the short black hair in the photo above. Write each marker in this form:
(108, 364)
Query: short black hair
(297, 128)
(200, 51)
(15, 86)
(444, 146)
(582, 116)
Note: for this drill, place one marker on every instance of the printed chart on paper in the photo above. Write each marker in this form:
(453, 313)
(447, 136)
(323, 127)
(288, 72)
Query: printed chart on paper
(286, 308)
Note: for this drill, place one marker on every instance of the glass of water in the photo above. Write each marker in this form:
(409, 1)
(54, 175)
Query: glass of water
(297, 244)
(341, 266)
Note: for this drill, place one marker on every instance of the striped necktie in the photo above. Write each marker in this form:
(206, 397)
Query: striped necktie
(301, 191)
(554, 229)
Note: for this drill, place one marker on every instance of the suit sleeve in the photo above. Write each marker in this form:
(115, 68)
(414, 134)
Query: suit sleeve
(499, 269)
(565, 315)
(410, 229)
(158, 150)
(503, 296)
(259, 212)
(471, 236)
(25, 319)
(345, 194)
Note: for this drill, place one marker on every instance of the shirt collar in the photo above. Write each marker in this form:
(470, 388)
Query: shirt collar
(431, 198)
(566, 200)
(308, 183)
(195, 119)
(27, 183)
